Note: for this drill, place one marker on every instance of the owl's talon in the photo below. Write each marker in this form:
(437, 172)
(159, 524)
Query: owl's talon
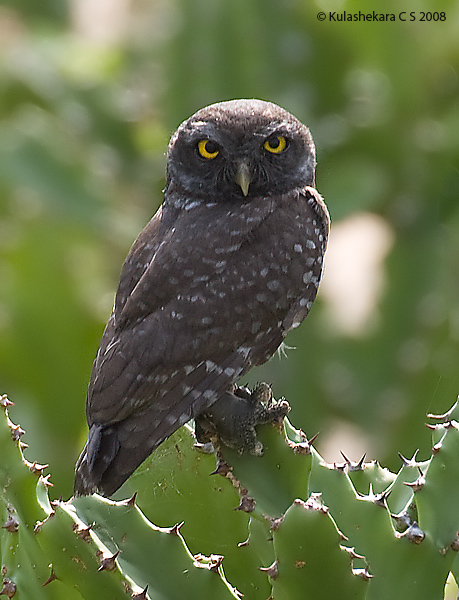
(232, 419)
(258, 450)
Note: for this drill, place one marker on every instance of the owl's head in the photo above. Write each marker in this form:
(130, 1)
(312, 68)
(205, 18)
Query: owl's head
(238, 150)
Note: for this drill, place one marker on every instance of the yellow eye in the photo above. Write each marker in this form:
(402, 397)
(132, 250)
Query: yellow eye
(275, 144)
(208, 149)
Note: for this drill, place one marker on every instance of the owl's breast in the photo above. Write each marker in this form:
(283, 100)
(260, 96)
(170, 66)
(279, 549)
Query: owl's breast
(255, 291)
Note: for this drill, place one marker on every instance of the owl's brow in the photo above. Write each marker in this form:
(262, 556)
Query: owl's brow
(272, 128)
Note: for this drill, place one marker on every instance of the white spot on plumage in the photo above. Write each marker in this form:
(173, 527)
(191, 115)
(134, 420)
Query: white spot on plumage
(244, 350)
(255, 327)
(190, 205)
(273, 285)
(261, 297)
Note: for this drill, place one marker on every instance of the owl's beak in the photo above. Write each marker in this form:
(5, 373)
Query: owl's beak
(243, 177)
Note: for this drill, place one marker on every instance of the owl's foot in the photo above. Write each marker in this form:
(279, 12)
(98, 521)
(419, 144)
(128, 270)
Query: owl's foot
(232, 418)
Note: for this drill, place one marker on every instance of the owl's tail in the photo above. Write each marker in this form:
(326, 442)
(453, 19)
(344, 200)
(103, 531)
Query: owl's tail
(97, 456)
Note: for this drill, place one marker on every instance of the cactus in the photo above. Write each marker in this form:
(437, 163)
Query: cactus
(285, 525)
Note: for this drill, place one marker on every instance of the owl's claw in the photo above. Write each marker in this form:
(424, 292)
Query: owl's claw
(232, 419)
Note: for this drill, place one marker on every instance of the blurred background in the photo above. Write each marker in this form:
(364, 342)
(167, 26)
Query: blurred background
(90, 93)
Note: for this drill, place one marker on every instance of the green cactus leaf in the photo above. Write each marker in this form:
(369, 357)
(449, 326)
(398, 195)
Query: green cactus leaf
(310, 561)
(437, 500)
(278, 477)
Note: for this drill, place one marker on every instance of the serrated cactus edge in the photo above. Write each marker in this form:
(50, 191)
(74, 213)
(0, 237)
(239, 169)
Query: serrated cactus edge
(296, 527)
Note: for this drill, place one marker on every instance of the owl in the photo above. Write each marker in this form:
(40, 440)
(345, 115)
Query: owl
(229, 264)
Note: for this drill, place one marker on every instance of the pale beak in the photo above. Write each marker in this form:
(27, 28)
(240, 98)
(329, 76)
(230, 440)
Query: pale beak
(243, 177)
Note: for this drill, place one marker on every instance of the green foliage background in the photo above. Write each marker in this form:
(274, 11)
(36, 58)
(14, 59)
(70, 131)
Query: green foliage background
(87, 103)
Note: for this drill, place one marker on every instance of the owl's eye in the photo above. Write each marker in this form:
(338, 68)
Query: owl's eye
(275, 144)
(208, 149)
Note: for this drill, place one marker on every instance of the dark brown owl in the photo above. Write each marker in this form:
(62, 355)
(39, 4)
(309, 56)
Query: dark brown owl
(229, 264)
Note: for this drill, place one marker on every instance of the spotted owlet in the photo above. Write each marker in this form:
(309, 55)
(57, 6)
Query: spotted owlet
(228, 265)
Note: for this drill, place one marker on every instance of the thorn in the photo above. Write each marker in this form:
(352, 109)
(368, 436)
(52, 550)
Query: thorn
(381, 499)
(52, 576)
(35, 468)
(215, 562)
(436, 448)
(109, 563)
(83, 532)
(409, 462)
(9, 588)
(38, 525)
(433, 427)
(414, 534)
(211, 563)
(5, 402)
(417, 485)
(45, 481)
(357, 466)
(455, 543)
(16, 432)
(445, 416)
(130, 501)
(247, 504)
(142, 595)
(303, 448)
(361, 462)
(362, 573)
(352, 553)
(345, 457)
(272, 570)
(401, 521)
(276, 523)
(222, 468)
(244, 543)
(11, 523)
(313, 439)
(174, 530)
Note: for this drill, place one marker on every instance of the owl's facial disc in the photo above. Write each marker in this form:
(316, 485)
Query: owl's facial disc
(239, 150)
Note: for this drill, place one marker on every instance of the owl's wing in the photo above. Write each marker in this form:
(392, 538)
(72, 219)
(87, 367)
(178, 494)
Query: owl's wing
(166, 351)
(158, 329)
